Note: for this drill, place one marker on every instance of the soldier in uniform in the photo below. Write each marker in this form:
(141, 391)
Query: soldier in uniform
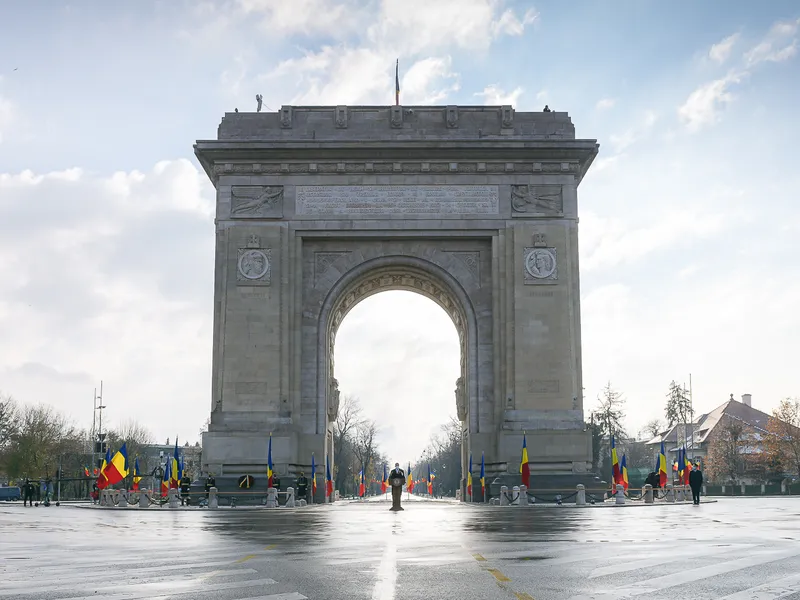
(210, 482)
(186, 484)
(27, 492)
(397, 490)
(302, 486)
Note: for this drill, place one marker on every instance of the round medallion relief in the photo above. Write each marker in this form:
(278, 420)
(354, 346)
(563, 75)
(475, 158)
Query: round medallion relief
(253, 264)
(540, 263)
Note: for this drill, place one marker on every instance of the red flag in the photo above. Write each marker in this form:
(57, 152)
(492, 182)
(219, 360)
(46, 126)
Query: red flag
(524, 466)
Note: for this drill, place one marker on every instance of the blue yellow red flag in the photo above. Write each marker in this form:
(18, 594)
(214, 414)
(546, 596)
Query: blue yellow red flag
(410, 480)
(328, 480)
(662, 467)
(313, 476)
(270, 472)
(384, 481)
(165, 481)
(397, 83)
(117, 469)
(624, 472)
(102, 482)
(469, 477)
(483, 476)
(615, 472)
(137, 476)
(524, 466)
(174, 475)
(430, 481)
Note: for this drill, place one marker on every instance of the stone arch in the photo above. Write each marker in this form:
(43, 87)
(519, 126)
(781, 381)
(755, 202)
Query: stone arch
(398, 272)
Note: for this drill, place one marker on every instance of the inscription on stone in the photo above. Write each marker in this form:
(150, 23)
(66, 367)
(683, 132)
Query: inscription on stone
(543, 386)
(396, 199)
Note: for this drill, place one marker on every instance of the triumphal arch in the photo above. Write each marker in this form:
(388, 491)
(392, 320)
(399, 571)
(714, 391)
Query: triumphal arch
(319, 207)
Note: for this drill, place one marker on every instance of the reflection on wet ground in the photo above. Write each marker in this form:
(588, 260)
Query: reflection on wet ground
(736, 548)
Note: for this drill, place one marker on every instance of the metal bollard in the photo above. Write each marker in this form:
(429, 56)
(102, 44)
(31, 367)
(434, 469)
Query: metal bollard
(504, 495)
(580, 498)
(648, 493)
(620, 495)
(213, 500)
(272, 498)
(669, 494)
(290, 497)
(515, 496)
(523, 495)
(144, 499)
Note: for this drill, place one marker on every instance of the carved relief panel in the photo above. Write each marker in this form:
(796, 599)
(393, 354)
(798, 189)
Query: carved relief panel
(256, 202)
(253, 264)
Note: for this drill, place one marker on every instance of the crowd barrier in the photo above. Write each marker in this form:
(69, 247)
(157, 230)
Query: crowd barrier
(146, 498)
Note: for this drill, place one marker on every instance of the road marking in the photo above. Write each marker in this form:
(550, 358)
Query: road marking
(245, 559)
(479, 558)
(271, 547)
(769, 591)
(289, 596)
(387, 574)
(143, 590)
(112, 583)
(523, 596)
(625, 566)
(498, 575)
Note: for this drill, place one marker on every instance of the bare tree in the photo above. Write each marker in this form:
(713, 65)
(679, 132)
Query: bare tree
(725, 460)
(366, 446)
(783, 444)
(134, 435)
(652, 428)
(8, 420)
(605, 421)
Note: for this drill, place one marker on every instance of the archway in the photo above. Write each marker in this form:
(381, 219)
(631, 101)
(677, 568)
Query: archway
(397, 358)
(408, 273)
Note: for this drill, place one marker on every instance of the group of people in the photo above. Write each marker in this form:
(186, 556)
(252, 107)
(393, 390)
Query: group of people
(33, 491)
(695, 482)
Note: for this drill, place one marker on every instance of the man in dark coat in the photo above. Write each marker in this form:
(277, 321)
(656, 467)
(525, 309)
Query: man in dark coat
(397, 490)
(302, 486)
(186, 486)
(27, 493)
(696, 483)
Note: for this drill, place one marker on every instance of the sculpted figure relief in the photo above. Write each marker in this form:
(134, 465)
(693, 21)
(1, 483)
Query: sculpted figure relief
(254, 199)
(253, 264)
(461, 400)
(526, 198)
(333, 399)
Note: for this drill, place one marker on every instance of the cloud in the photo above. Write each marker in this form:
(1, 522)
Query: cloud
(704, 104)
(777, 46)
(605, 103)
(429, 81)
(493, 96)
(108, 278)
(637, 131)
(720, 52)
(6, 115)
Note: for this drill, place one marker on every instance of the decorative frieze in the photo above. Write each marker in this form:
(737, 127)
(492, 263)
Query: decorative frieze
(536, 201)
(256, 201)
(389, 167)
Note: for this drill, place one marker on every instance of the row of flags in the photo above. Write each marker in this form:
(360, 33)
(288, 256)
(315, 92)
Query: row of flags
(683, 466)
(115, 468)
(619, 468)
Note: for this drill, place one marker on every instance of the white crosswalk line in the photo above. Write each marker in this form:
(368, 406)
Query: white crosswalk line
(289, 596)
(33, 574)
(112, 583)
(144, 590)
(773, 590)
(664, 558)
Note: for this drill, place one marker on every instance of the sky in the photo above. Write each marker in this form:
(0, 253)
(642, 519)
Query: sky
(689, 220)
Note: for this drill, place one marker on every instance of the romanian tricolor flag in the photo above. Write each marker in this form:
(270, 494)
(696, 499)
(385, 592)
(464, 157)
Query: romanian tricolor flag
(469, 477)
(623, 464)
(430, 481)
(615, 472)
(384, 481)
(270, 472)
(175, 467)
(117, 469)
(410, 486)
(687, 467)
(328, 480)
(86, 471)
(166, 479)
(137, 476)
(313, 476)
(102, 482)
(483, 477)
(361, 487)
(662, 467)
(397, 83)
(524, 467)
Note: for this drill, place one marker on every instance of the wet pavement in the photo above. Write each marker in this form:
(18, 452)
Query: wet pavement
(736, 549)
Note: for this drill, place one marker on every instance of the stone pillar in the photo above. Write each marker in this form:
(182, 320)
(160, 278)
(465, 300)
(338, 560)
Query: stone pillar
(783, 487)
(144, 499)
(272, 498)
(669, 494)
(523, 495)
(174, 501)
(105, 497)
(763, 489)
(290, 497)
(515, 496)
(743, 489)
(648, 493)
(213, 501)
(504, 495)
(723, 490)
(580, 498)
(620, 495)
(679, 491)
(123, 498)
